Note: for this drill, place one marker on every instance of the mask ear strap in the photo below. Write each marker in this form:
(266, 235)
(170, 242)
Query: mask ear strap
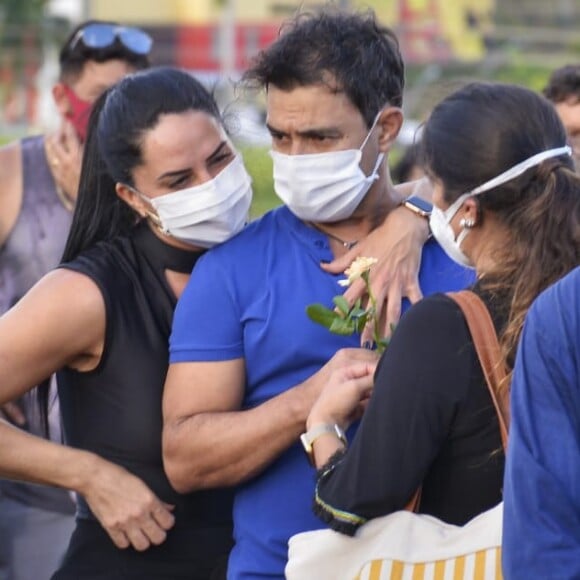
(454, 207)
(151, 215)
(462, 235)
(156, 222)
(143, 197)
(520, 168)
(371, 129)
(377, 165)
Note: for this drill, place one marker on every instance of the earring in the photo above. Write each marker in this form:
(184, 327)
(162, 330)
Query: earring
(467, 223)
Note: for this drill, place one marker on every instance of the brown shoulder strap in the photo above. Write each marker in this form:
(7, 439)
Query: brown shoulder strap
(488, 350)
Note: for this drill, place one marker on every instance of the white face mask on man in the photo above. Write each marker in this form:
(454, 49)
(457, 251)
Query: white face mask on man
(323, 187)
(439, 221)
(207, 214)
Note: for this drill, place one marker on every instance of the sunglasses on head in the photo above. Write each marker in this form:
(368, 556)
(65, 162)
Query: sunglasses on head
(98, 36)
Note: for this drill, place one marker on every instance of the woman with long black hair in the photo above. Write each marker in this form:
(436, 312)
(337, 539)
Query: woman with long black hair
(160, 183)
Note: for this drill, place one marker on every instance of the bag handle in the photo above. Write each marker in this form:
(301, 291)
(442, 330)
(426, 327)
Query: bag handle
(488, 351)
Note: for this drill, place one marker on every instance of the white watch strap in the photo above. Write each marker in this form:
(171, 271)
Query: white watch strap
(308, 438)
(315, 432)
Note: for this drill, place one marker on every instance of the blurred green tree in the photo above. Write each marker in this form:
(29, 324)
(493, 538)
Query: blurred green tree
(22, 34)
(16, 17)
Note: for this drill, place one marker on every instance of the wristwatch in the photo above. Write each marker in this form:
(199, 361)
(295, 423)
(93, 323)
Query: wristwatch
(418, 205)
(307, 439)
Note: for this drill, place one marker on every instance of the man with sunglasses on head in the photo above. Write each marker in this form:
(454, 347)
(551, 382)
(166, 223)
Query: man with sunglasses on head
(39, 178)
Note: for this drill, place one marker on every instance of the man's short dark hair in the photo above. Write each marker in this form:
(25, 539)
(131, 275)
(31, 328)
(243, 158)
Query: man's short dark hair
(73, 57)
(564, 84)
(349, 52)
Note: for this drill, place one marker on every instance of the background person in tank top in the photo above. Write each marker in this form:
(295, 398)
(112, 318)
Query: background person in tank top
(38, 186)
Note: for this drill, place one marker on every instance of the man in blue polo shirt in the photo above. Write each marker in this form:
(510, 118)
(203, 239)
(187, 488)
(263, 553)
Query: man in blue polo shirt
(246, 362)
(542, 491)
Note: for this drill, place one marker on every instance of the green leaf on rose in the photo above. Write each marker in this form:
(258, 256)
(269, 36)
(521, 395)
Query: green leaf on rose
(346, 320)
(342, 326)
(357, 312)
(361, 322)
(342, 304)
(322, 315)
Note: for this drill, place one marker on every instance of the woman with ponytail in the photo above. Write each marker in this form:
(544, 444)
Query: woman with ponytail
(506, 203)
(160, 183)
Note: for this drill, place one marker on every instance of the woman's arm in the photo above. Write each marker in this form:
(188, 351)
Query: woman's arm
(341, 401)
(61, 322)
(421, 379)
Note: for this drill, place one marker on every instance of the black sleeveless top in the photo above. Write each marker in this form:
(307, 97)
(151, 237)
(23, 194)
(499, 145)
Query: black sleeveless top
(115, 409)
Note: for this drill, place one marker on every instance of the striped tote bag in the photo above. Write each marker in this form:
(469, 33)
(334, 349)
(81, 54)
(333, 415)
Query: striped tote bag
(401, 546)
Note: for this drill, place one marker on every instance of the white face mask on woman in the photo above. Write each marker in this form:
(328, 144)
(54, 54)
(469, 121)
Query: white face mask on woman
(439, 221)
(207, 214)
(323, 187)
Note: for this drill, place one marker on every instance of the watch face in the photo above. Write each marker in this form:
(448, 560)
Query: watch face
(306, 443)
(420, 203)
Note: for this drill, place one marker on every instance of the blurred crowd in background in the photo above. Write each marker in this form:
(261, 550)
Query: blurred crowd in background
(443, 44)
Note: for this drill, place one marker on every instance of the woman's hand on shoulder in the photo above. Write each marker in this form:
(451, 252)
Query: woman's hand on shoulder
(397, 244)
(127, 509)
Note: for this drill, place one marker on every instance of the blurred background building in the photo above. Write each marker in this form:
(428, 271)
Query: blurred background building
(444, 43)
(519, 40)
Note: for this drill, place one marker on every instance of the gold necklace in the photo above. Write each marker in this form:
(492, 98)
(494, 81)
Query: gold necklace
(349, 245)
(66, 201)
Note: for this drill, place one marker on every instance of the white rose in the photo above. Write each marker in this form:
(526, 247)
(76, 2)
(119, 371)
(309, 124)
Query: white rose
(359, 266)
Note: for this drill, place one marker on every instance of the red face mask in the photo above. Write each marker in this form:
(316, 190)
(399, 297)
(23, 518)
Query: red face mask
(79, 113)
